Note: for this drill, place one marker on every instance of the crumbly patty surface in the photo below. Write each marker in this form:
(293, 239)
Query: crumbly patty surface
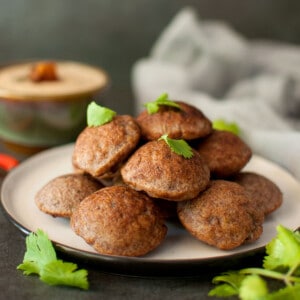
(118, 220)
(221, 216)
(225, 153)
(98, 150)
(267, 194)
(186, 123)
(161, 173)
(60, 196)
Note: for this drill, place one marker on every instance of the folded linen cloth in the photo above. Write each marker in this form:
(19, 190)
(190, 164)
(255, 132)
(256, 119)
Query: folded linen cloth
(211, 66)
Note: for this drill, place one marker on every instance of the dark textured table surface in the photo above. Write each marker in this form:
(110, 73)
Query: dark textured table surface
(103, 285)
(14, 285)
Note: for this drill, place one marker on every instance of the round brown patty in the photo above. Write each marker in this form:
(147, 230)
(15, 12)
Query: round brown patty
(263, 190)
(161, 173)
(187, 123)
(220, 216)
(60, 196)
(119, 221)
(225, 153)
(99, 150)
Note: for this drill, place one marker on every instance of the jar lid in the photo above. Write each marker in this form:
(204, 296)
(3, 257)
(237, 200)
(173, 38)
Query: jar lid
(73, 80)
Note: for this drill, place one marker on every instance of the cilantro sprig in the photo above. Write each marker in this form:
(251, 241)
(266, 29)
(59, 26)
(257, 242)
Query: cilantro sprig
(40, 259)
(180, 147)
(98, 115)
(221, 124)
(153, 106)
(282, 263)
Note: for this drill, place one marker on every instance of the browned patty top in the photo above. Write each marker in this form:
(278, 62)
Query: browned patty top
(224, 152)
(118, 220)
(267, 194)
(186, 123)
(220, 215)
(161, 173)
(61, 195)
(99, 149)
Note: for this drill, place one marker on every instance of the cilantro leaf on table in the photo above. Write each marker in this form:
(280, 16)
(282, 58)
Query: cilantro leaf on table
(40, 259)
(98, 115)
(283, 251)
(229, 284)
(286, 293)
(180, 147)
(253, 287)
(153, 106)
(281, 263)
(39, 252)
(59, 272)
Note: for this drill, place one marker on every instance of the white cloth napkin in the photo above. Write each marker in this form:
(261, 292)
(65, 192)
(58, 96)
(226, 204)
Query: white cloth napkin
(253, 83)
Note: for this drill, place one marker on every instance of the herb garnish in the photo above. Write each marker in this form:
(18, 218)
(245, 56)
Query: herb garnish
(153, 106)
(180, 147)
(40, 258)
(282, 262)
(221, 124)
(98, 115)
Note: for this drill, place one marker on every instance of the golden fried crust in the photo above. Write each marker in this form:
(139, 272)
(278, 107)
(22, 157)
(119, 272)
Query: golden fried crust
(186, 123)
(219, 216)
(267, 194)
(119, 221)
(60, 196)
(258, 218)
(100, 149)
(225, 153)
(161, 173)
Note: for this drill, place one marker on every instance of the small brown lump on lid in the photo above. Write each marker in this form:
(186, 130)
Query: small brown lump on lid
(118, 220)
(44, 71)
(186, 123)
(161, 173)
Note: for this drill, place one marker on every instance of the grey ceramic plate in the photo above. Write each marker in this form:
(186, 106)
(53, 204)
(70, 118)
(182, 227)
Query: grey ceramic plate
(180, 253)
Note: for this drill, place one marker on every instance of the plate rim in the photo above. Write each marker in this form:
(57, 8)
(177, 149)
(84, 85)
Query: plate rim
(145, 266)
(141, 267)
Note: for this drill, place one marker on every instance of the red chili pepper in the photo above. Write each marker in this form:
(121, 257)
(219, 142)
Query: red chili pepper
(7, 162)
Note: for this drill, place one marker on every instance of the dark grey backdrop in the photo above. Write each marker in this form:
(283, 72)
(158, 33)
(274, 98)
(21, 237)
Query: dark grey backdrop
(113, 34)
